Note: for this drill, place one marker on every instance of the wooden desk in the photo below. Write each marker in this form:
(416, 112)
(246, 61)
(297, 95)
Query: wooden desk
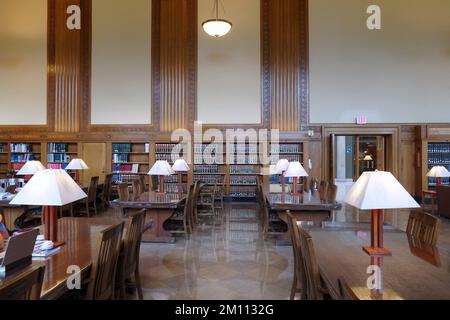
(412, 273)
(81, 244)
(159, 209)
(304, 207)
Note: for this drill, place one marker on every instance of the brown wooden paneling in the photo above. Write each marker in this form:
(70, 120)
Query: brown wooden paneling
(285, 63)
(68, 68)
(175, 62)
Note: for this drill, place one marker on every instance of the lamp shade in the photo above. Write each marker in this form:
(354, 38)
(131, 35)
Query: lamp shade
(217, 27)
(161, 168)
(438, 172)
(281, 166)
(77, 164)
(379, 190)
(30, 168)
(368, 158)
(272, 170)
(295, 169)
(49, 188)
(180, 166)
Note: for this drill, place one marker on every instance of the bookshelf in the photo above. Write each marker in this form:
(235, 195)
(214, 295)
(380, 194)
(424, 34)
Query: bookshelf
(20, 153)
(210, 163)
(438, 155)
(289, 151)
(4, 161)
(129, 161)
(163, 151)
(60, 154)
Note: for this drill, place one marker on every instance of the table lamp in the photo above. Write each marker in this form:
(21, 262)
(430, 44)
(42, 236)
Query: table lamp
(376, 191)
(438, 172)
(77, 165)
(281, 167)
(179, 167)
(161, 168)
(50, 189)
(30, 168)
(294, 171)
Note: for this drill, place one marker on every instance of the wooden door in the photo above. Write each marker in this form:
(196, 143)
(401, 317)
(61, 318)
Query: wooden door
(94, 154)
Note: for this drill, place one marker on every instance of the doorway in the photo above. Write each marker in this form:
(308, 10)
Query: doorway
(94, 154)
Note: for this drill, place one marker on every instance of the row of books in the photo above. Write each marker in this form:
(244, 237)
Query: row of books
(58, 158)
(133, 168)
(245, 159)
(22, 157)
(20, 147)
(208, 179)
(243, 180)
(292, 157)
(207, 168)
(209, 159)
(243, 148)
(171, 179)
(208, 148)
(171, 188)
(57, 165)
(164, 157)
(127, 147)
(285, 148)
(439, 148)
(242, 170)
(439, 159)
(242, 192)
(120, 157)
(124, 178)
(444, 181)
(57, 147)
(164, 147)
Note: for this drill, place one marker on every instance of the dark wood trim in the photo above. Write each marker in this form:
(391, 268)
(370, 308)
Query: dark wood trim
(86, 65)
(51, 61)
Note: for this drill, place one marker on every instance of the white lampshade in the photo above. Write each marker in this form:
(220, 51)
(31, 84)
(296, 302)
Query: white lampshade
(368, 158)
(180, 166)
(30, 168)
(77, 164)
(438, 172)
(161, 168)
(281, 166)
(379, 190)
(295, 169)
(217, 27)
(49, 188)
(272, 170)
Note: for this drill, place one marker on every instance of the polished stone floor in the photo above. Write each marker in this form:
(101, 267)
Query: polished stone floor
(227, 259)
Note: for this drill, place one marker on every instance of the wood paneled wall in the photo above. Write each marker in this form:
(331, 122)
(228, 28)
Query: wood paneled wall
(68, 66)
(285, 56)
(175, 62)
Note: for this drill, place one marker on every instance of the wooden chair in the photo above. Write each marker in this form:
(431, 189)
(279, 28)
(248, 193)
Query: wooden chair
(128, 265)
(137, 189)
(314, 284)
(206, 201)
(219, 195)
(345, 291)
(299, 281)
(26, 286)
(124, 192)
(272, 224)
(323, 190)
(332, 193)
(91, 201)
(143, 183)
(103, 272)
(107, 191)
(414, 221)
(429, 228)
(181, 221)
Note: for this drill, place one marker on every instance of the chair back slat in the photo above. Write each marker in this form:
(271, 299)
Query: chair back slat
(132, 239)
(300, 276)
(312, 273)
(124, 192)
(428, 230)
(103, 271)
(92, 192)
(27, 286)
(107, 188)
(137, 190)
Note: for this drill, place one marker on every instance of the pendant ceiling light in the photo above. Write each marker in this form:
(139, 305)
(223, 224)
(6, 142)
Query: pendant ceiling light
(216, 27)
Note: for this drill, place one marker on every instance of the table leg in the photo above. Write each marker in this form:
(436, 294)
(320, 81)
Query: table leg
(157, 233)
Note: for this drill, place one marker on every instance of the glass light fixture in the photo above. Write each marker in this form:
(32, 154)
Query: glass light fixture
(216, 27)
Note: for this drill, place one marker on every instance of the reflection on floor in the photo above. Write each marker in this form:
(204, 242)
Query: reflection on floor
(226, 258)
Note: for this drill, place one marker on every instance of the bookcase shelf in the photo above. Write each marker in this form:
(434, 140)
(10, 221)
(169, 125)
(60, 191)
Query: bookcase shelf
(129, 161)
(20, 153)
(59, 154)
(438, 155)
(4, 160)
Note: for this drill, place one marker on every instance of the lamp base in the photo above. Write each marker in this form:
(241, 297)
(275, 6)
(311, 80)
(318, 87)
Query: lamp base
(377, 252)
